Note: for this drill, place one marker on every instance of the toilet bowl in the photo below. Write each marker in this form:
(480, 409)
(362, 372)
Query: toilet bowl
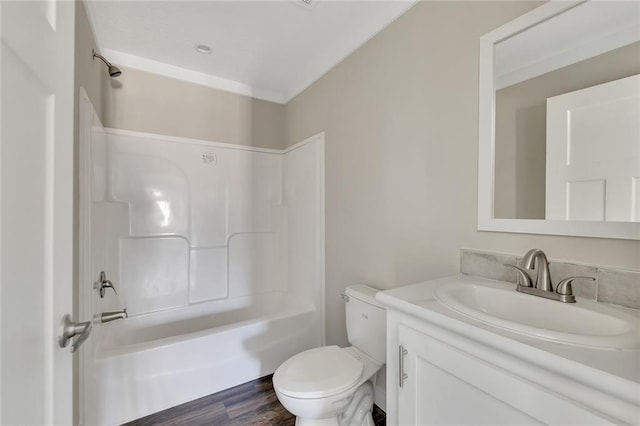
(333, 386)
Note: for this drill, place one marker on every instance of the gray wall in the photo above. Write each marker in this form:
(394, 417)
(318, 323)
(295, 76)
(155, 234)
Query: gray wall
(146, 102)
(521, 124)
(89, 73)
(401, 122)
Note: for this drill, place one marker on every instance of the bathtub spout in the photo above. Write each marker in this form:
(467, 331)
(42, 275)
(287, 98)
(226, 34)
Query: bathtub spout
(112, 316)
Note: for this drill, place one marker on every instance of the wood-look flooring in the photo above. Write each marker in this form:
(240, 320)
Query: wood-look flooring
(252, 403)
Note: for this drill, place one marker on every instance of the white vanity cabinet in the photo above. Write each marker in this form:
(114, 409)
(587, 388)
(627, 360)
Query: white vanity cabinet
(444, 369)
(444, 384)
(447, 386)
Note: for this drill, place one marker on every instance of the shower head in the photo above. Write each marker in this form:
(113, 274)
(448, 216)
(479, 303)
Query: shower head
(113, 70)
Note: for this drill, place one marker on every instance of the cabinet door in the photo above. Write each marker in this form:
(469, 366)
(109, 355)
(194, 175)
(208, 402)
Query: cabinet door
(444, 385)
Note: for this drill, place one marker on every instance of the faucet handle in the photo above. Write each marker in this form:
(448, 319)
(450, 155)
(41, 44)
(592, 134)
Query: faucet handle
(103, 284)
(564, 286)
(522, 273)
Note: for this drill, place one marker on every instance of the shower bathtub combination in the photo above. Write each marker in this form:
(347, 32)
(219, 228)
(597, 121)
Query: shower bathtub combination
(215, 250)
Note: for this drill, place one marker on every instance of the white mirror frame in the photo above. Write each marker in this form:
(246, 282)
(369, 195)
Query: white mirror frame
(486, 140)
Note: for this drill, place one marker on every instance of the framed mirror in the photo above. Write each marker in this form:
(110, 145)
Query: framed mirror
(559, 122)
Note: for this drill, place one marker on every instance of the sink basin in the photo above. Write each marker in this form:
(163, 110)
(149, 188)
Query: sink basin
(584, 323)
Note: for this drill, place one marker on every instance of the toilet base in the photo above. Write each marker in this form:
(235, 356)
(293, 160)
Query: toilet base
(366, 421)
(317, 422)
(357, 413)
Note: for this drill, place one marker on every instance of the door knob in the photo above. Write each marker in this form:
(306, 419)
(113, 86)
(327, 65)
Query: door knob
(70, 329)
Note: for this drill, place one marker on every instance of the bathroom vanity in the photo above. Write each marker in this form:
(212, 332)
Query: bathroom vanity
(447, 364)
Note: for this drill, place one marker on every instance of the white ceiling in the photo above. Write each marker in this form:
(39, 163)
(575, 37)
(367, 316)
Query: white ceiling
(270, 50)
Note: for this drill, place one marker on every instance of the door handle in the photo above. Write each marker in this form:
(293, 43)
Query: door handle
(70, 329)
(402, 376)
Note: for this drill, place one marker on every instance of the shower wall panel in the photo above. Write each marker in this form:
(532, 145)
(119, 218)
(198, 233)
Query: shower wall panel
(154, 273)
(190, 222)
(208, 274)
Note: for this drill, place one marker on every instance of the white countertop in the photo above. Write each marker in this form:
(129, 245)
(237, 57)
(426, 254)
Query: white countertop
(618, 370)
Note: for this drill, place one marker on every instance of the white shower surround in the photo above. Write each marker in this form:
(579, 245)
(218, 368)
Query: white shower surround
(216, 250)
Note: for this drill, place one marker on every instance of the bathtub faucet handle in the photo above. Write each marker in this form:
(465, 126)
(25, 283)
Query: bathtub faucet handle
(103, 284)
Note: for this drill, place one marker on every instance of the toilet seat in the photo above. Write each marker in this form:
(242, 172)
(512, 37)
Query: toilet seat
(318, 373)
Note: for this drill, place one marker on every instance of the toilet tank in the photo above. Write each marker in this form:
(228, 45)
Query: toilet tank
(366, 321)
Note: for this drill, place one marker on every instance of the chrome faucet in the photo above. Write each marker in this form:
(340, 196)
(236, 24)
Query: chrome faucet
(114, 315)
(535, 259)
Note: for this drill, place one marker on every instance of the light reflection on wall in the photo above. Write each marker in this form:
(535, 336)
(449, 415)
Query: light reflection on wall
(165, 208)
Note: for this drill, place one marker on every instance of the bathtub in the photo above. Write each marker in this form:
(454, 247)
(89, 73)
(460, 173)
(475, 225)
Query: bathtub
(152, 362)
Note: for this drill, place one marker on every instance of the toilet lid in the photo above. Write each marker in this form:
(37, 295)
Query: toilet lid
(317, 372)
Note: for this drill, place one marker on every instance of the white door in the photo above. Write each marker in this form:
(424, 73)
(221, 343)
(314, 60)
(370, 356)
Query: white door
(593, 153)
(36, 209)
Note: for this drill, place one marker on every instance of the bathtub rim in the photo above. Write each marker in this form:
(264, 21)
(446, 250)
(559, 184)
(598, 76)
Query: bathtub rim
(120, 350)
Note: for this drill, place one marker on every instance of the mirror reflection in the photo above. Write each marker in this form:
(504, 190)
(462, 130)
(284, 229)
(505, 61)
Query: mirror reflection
(567, 117)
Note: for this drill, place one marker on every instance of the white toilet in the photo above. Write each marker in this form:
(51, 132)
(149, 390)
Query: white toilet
(332, 386)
